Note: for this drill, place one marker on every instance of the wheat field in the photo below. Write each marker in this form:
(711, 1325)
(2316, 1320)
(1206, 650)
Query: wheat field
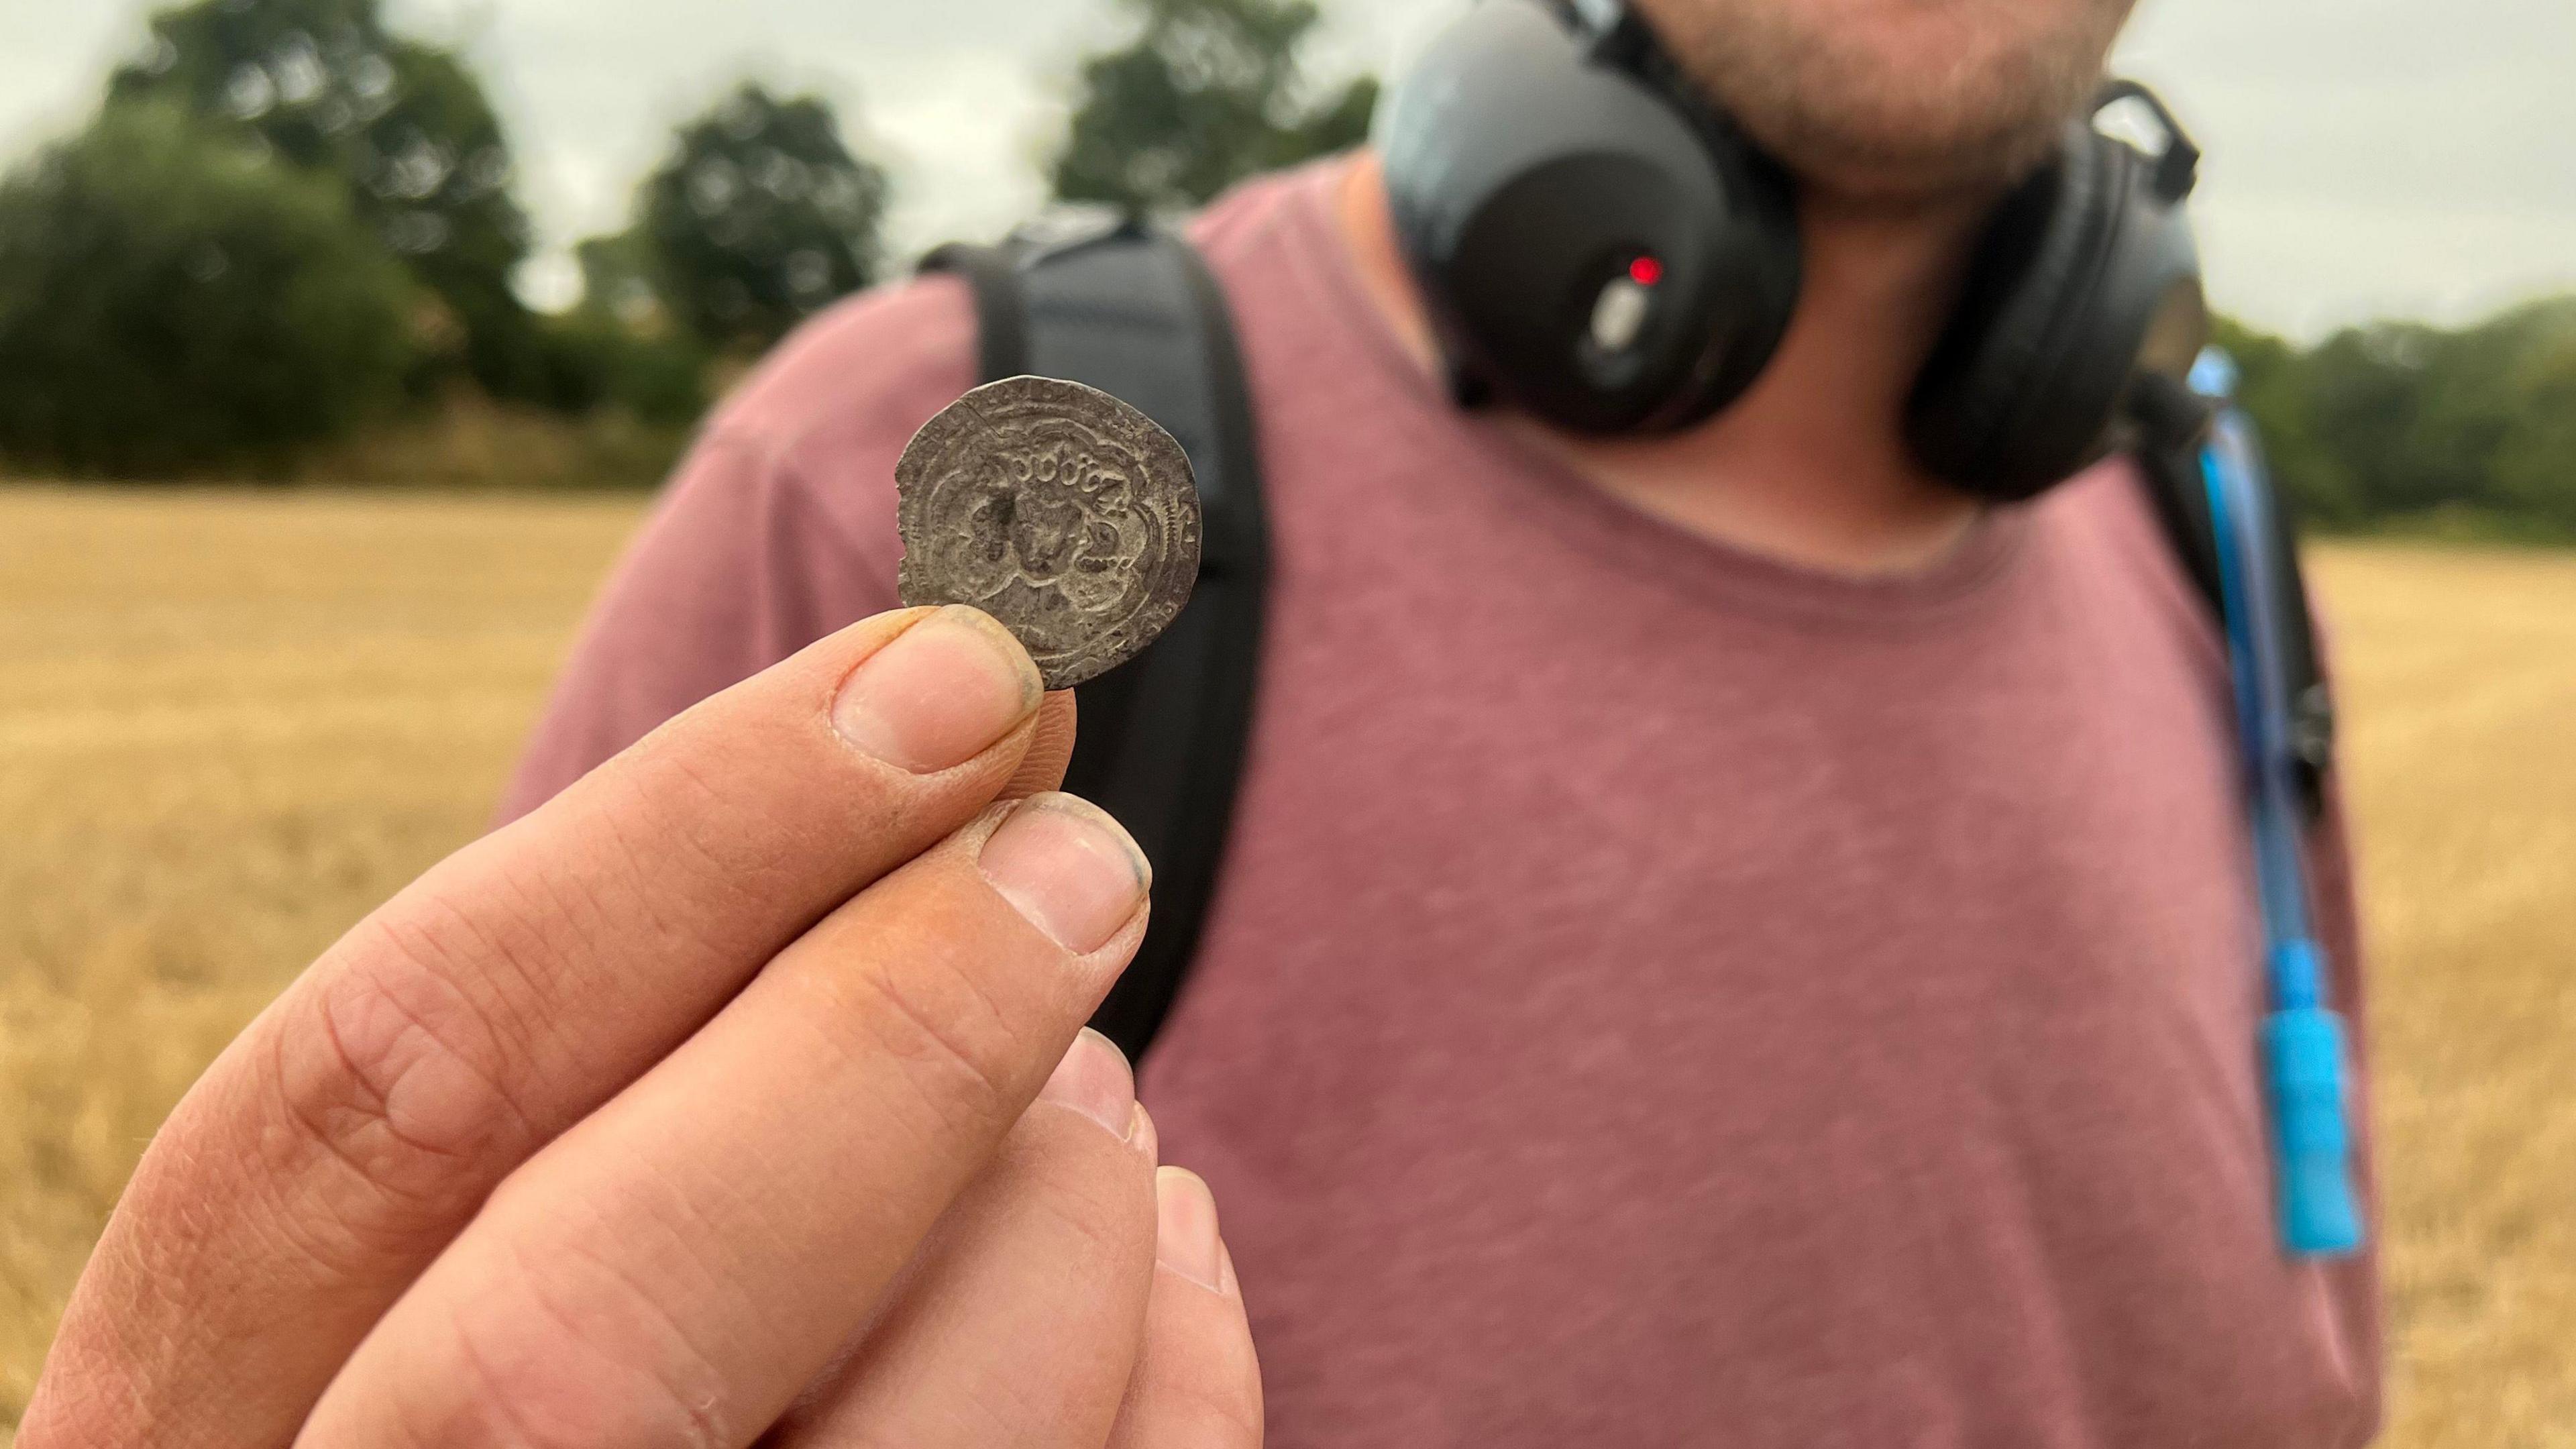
(231, 722)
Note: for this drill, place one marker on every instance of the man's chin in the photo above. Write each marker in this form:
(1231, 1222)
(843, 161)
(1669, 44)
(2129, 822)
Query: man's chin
(1898, 156)
(1896, 97)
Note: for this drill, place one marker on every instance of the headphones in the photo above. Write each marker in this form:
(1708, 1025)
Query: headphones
(1600, 244)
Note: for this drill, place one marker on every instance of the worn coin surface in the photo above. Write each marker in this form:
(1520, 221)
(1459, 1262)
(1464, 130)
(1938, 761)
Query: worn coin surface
(1062, 512)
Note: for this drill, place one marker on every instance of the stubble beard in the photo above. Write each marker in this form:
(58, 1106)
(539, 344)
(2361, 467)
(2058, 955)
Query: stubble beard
(1896, 100)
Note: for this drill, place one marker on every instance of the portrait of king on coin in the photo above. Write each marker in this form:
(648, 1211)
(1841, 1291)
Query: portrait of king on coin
(1061, 511)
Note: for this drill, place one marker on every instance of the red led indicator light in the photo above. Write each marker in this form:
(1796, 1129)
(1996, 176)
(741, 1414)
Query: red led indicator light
(1645, 271)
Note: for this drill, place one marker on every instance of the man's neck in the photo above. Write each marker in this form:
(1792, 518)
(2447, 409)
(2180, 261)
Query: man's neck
(1810, 465)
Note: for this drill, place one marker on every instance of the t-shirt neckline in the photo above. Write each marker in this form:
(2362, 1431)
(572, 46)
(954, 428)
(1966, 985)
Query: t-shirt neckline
(1706, 568)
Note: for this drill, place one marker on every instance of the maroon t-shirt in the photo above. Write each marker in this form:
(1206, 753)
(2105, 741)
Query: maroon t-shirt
(1656, 995)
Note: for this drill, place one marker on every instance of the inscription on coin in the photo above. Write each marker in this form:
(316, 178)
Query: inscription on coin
(1062, 512)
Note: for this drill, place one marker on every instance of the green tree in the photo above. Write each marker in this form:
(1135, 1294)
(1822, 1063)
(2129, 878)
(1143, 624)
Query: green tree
(619, 346)
(2362, 393)
(172, 300)
(760, 217)
(402, 125)
(1209, 92)
(2400, 420)
(2272, 388)
(2535, 461)
(2479, 393)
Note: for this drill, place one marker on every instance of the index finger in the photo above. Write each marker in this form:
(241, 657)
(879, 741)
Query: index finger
(336, 1147)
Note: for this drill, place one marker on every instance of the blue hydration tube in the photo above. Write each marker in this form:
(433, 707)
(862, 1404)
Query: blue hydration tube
(2302, 1037)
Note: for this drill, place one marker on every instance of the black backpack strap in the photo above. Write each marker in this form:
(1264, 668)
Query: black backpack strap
(1001, 325)
(2169, 455)
(1132, 310)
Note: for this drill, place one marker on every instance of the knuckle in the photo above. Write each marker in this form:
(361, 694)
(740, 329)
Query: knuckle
(1200, 1383)
(1096, 1191)
(1217, 1405)
(674, 805)
(958, 1047)
(668, 847)
(1221, 1420)
(539, 1372)
(553, 1402)
(1105, 1231)
(403, 1077)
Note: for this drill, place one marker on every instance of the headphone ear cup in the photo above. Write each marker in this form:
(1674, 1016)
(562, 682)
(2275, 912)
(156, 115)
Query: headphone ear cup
(1998, 367)
(1755, 265)
(2086, 277)
(1592, 249)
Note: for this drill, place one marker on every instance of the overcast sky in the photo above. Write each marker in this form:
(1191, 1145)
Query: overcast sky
(2368, 157)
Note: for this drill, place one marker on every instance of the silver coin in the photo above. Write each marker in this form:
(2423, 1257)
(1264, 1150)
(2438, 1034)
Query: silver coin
(1062, 512)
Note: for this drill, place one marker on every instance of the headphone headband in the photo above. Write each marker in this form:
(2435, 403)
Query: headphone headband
(2178, 167)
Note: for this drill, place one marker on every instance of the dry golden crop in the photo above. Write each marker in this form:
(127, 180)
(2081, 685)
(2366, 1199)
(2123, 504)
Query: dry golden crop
(229, 724)
(232, 722)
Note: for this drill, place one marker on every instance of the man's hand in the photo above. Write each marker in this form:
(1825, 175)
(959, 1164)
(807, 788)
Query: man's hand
(735, 1095)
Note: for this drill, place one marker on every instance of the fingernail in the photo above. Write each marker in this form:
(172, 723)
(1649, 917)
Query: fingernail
(1142, 1136)
(1094, 1079)
(1185, 1227)
(1069, 868)
(940, 694)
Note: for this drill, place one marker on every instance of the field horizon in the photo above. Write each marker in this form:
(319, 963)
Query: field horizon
(237, 719)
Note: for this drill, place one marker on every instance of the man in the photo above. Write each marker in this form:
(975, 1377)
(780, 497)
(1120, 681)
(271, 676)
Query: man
(1724, 940)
